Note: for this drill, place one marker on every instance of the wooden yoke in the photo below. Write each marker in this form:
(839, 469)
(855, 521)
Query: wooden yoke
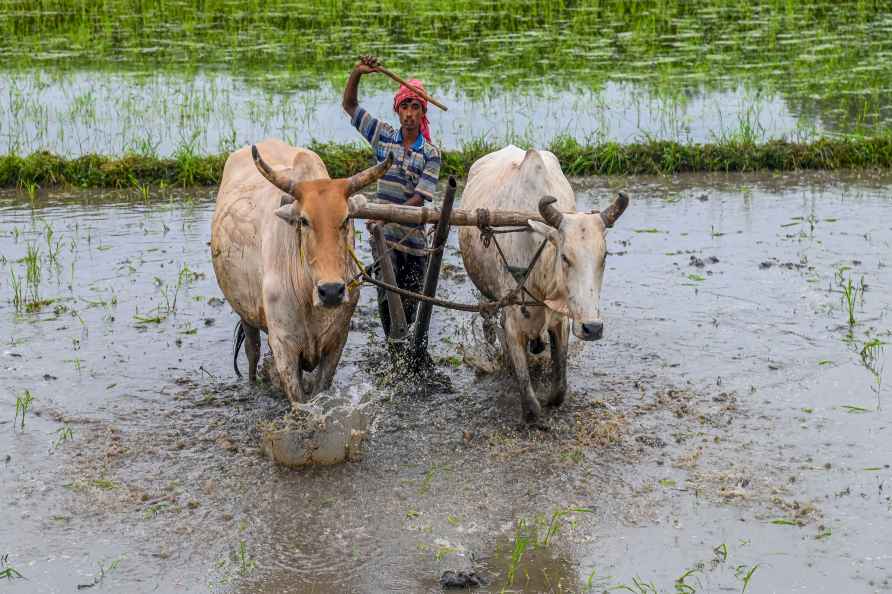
(360, 208)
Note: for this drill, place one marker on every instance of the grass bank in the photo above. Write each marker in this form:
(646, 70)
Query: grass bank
(43, 169)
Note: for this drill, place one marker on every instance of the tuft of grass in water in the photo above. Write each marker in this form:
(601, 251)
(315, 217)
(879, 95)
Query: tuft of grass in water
(687, 582)
(7, 571)
(18, 292)
(104, 571)
(855, 409)
(26, 289)
(521, 542)
(872, 355)
(554, 525)
(655, 157)
(22, 406)
(745, 574)
(245, 563)
(237, 563)
(63, 434)
(850, 296)
(530, 536)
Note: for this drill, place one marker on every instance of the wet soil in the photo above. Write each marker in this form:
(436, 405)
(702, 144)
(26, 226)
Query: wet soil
(729, 419)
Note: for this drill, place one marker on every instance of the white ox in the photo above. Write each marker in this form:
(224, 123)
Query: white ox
(567, 276)
(279, 242)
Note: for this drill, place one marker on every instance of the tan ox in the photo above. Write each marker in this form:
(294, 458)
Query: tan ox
(281, 260)
(568, 275)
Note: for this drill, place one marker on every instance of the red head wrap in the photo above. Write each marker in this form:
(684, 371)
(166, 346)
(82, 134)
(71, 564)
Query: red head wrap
(405, 93)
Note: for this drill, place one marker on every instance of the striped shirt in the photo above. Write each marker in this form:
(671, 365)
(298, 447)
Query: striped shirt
(413, 171)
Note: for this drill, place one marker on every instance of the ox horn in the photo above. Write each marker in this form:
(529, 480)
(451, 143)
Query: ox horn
(614, 211)
(367, 176)
(280, 179)
(551, 215)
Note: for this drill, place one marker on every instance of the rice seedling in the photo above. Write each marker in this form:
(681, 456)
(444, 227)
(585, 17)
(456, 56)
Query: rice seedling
(18, 294)
(745, 574)
(850, 296)
(104, 571)
(63, 434)
(31, 189)
(22, 406)
(557, 516)
(52, 248)
(539, 534)
(32, 265)
(872, 356)
(638, 586)
(245, 563)
(8, 571)
(521, 542)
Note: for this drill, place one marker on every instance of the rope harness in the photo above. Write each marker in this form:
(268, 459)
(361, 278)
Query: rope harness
(516, 296)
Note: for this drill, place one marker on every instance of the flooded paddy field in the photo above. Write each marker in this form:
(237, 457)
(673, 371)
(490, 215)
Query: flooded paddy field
(104, 78)
(731, 431)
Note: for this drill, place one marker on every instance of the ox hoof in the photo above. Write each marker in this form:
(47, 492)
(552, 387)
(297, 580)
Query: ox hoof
(532, 410)
(536, 346)
(557, 396)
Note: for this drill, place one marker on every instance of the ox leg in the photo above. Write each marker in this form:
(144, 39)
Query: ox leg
(328, 365)
(252, 349)
(516, 347)
(560, 337)
(286, 354)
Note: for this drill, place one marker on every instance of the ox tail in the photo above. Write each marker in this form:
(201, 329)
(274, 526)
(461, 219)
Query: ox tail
(237, 339)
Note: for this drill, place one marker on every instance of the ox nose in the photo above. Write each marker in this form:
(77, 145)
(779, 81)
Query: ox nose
(331, 294)
(592, 330)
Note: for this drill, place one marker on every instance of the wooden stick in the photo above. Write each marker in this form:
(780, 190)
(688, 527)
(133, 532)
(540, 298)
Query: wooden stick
(432, 274)
(412, 88)
(414, 215)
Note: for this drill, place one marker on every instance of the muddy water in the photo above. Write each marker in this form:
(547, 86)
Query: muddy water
(727, 424)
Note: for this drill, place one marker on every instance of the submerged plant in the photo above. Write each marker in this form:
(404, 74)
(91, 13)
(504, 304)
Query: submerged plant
(22, 406)
(521, 542)
(745, 574)
(873, 358)
(7, 571)
(63, 434)
(850, 293)
(529, 536)
(31, 189)
(18, 294)
(102, 574)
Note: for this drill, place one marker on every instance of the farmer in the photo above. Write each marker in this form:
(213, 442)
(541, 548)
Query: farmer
(410, 181)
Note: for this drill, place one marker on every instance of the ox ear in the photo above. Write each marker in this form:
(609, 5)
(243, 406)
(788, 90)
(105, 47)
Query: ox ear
(547, 231)
(290, 213)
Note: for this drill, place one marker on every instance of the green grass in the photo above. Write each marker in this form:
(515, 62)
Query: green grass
(189, 169)
(22, 406)
(7, 571)
(80, 76)
(807, 48)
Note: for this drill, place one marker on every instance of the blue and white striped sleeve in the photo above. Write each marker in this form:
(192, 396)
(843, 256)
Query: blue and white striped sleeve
(370, 127)
(427, 183)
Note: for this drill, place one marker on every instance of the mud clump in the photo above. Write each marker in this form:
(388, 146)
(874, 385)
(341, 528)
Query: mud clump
(328, 429)
(461, 580)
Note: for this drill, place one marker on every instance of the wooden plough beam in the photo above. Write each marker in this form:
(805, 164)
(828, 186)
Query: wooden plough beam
(360, 208)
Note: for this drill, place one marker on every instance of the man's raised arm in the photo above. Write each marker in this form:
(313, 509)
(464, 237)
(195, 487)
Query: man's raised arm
(366, 65)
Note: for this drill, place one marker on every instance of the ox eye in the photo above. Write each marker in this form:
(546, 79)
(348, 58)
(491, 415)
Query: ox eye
(566, 260)
(304, 221)
(344, 224)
